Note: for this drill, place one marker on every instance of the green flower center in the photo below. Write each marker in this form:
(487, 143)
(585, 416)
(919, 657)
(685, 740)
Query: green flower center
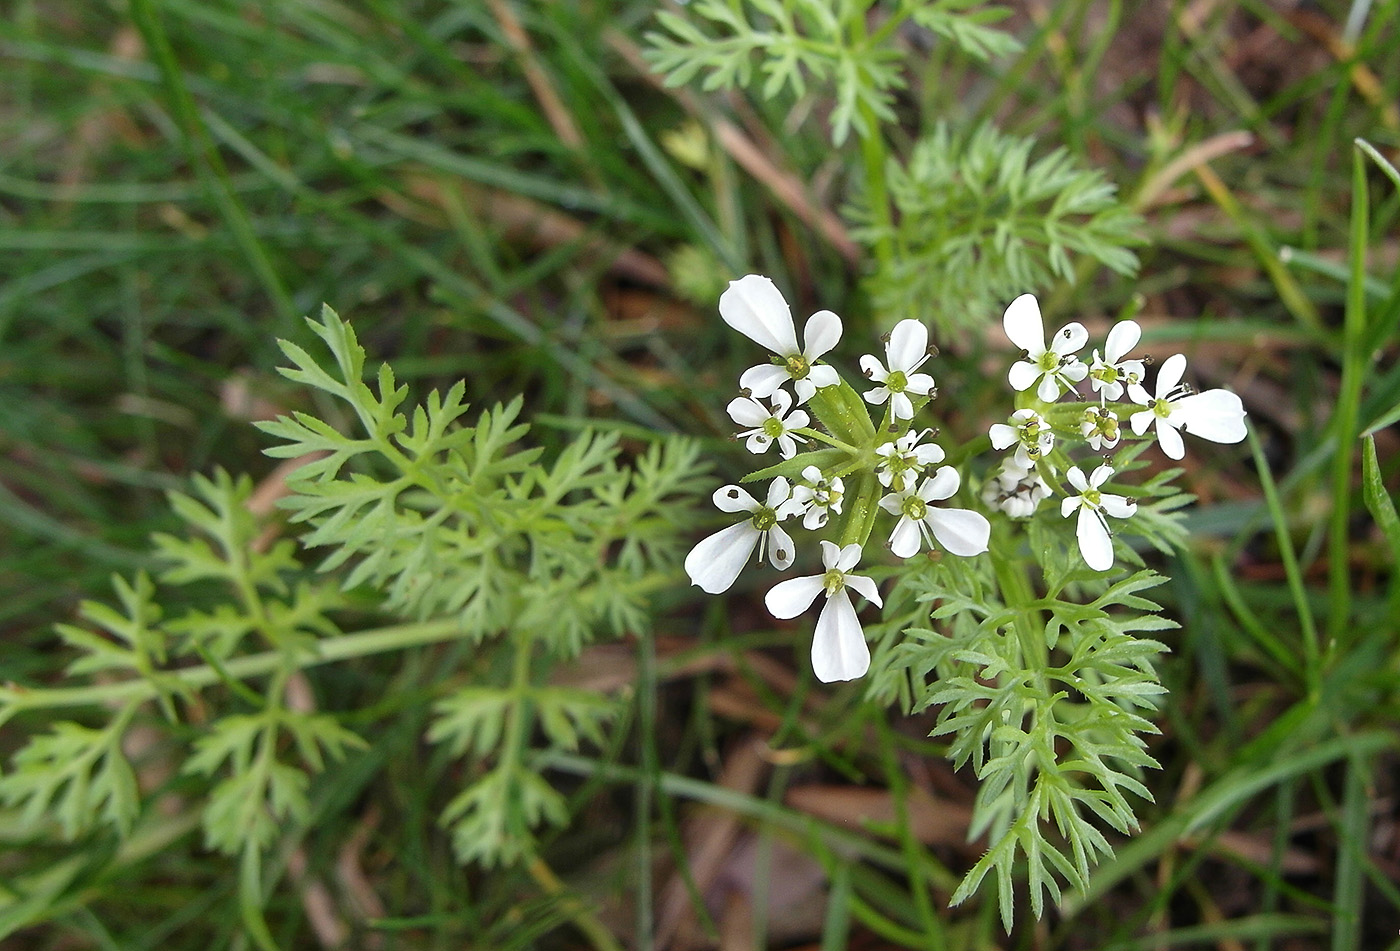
(1162, 408)
(1105, 374)
(914, 507)
(797, 366)
(1049, 360)
(1091, 497)
(772, 427)
(833, 581)
(764, 518)
(896, 381)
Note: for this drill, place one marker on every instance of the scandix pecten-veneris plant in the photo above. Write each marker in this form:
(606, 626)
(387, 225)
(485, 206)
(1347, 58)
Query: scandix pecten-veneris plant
(1001, 606)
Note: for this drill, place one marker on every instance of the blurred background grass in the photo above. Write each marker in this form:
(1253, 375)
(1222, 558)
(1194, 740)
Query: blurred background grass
(499, 191)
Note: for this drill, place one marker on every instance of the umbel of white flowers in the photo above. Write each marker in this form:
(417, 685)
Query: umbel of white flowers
(756, 308)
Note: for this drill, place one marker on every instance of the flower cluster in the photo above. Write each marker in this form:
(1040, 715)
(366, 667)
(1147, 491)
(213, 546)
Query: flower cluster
(816, 486)
(1054, 368)
(841, 468)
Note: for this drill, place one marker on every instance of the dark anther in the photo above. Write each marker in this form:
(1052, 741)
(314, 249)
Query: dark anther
(1066, 333)
(885, 337)
(933, 349)
(893, 427)
(733, 493)
(1148, 361)
(868, 374)
(746, 392)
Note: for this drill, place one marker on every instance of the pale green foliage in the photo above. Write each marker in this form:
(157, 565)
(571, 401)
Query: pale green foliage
(452, 519)
(1045, 703)
(76, 774)
(791, 43)
(978, 221)
(464, 521)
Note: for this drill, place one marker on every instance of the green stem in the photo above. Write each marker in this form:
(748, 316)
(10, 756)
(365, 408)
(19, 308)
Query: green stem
(365, 643)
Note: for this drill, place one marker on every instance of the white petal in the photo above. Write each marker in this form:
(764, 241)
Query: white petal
(1100, 475)
(831, 553)
(1001, 435)
(747, 412)
(1023, 375)
(798, 419)
(763, 380)
(960, 531)
(733, 498)
(789, 598)
(823, 376)
(787, 446)
(1094, 542)
(1140, 421)
(905, 540)
(1075, 475)
(755, 307)
(779, 491)
(1075, 370)
(1024, 326)
(866, 587)
(1170, 439)
(847, 558)
(805, 389)
(873, 369)
(1068, 504)
(920, 384)
(1117, 505)
(942, 486)
(782, 402)
(716, 561)
(901, 407)
(877, 396)
(1122, 338)
(815, 518)
(812, 474)
(1049, 389)
(1070, 338)
(1217, 415)
(1170, 374)
(781, 550)
(1138, 394)
(839, 651)
(758, 442)
(822, 334)
(929, 454)
(908, 345)
(890, 503)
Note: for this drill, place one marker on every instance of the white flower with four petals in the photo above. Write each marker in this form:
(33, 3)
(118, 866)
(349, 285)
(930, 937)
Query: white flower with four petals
(1110, 374)
(815, 498)
(768, 426)
(716, 561)
(1217, 415)
(839, 651)
(1053, 368)
(904, 458)
(959, 531)
(1099, 427)
(755, 307)
(1015, 489)
(905, 352)
(1094, 505)
(1029, 431)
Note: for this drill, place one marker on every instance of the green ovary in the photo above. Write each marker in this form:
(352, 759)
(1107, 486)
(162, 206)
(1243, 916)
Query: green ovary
(914, 507)
(896, 382)
(764, 519)
(833, 581)
(797, 366)
(772, 428)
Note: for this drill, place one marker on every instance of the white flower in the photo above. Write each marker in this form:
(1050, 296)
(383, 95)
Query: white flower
(1110, 374)
(905, 458)
(1016, 490)
(905, 352)
(1054, 367)
(716, 561)
(959, 531)
(766, 426)
(815, 498)
(839, 651)
(1100, 427)
(1217, 415)
(755, 307)
(1029, 430)
(1095, 541)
